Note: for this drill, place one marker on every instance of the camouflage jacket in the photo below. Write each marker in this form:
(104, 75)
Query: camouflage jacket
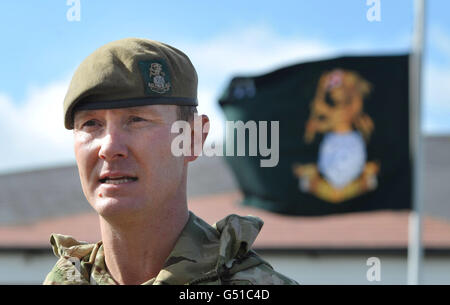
(203, 254)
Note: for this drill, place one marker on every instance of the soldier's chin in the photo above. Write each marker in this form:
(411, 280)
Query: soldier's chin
(117, 207)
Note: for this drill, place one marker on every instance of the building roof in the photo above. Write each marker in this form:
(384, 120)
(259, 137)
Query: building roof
(383, 229)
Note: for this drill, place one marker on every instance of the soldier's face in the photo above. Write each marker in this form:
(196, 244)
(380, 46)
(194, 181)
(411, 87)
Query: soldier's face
(124, 158)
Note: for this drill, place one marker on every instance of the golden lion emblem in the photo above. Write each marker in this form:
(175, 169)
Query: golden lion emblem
(342, 171)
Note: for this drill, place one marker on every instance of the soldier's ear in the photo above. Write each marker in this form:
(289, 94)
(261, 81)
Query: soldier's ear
(199, 133)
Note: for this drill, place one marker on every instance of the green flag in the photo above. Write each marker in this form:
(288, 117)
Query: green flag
(343, 136)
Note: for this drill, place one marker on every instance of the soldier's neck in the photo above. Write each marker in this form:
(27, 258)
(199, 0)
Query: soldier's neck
(136, 253)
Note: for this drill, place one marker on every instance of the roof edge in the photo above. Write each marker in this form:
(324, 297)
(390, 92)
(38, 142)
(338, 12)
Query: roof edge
(350, 251)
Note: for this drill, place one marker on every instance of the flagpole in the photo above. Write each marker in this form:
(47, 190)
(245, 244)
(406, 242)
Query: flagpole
(415, 248)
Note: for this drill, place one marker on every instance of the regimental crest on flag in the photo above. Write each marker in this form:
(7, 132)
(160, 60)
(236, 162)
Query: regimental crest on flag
(156, 77)
(342, 171)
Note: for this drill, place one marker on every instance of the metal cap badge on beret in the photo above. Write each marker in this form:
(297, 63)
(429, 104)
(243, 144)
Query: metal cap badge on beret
(131, 72)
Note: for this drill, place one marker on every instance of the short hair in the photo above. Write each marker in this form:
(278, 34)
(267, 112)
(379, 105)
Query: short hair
(186, 113)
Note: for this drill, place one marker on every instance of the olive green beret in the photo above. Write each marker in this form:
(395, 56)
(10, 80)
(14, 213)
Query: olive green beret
(131, 72)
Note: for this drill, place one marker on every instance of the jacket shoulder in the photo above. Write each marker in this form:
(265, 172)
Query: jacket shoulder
(237, 262)
(71, 254)
(253, 270)
(262, 274)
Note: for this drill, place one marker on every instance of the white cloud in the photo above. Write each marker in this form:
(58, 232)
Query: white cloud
(437, 87)
(32, 132)
(250, 51)
(440, 40)
(436, 100)
(436, 83)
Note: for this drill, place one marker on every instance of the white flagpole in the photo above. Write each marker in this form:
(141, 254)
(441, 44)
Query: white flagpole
(415, 248)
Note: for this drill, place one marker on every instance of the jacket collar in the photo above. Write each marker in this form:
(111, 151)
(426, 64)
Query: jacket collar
(193, 256)
(201, 253)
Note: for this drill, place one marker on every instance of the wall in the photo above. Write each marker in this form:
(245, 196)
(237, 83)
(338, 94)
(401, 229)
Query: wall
(352, 269)
(18, 267)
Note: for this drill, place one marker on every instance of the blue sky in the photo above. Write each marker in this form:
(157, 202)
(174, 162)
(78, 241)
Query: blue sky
(41, 49)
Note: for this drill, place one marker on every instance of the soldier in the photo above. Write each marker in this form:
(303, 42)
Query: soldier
(121, 104)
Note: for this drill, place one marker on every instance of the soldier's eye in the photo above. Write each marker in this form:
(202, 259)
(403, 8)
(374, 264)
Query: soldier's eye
(89, 123)
(135, 119)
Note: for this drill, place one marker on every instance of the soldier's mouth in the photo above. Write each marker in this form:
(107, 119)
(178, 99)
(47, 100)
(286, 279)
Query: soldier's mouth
(118, 180)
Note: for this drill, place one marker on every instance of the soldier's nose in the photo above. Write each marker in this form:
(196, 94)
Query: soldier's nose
(113, 146)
